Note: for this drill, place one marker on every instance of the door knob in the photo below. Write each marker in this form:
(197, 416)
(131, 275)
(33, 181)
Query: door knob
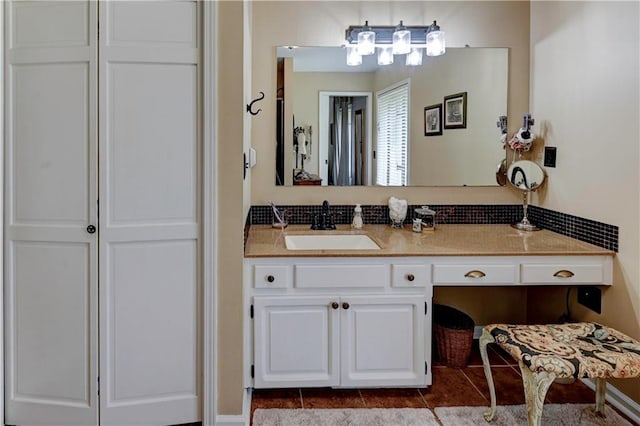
(91, 229)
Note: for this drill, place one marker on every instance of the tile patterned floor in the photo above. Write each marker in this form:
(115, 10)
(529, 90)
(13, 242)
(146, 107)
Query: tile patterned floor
(451, 387)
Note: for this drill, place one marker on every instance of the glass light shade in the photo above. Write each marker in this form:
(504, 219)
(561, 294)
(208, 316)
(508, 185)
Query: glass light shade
(435, 43)
(366, 43)
(353, 57)
(414, 57)
(385, 55)
(401, 42)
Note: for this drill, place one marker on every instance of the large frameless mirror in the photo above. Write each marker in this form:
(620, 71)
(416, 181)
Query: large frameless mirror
(393, 125)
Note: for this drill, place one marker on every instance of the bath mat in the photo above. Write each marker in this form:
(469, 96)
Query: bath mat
(511, 415)
(345, 417)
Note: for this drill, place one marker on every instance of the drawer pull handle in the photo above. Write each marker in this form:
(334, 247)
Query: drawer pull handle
(475, 274)
(563, 273)
(271, 278)
(335, 305)
(410, 277)
(345, 305)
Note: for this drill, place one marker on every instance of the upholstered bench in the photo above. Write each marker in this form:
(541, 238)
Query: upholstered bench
(560, 352)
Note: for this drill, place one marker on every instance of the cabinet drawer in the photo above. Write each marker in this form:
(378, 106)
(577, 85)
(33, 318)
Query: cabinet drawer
(409, 275)
(470, 274)
(271, 276)
(562, 274)
(331, 276)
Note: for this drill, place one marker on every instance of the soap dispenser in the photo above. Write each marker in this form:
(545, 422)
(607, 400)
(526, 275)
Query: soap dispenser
(357, 217)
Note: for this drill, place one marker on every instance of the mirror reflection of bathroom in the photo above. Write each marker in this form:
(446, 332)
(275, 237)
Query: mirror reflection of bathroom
(525, 175)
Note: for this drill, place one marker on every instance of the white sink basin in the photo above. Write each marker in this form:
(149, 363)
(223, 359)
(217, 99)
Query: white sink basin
(330, 242)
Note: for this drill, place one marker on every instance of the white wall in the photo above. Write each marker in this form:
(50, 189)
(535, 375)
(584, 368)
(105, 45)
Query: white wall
(585, 99)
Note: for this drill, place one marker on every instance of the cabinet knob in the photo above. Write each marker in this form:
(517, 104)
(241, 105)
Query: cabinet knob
(410, 277)
(271, 278)
(474, 274)
(91, 229)
(563, 273)
(345, 305)
(335, 305)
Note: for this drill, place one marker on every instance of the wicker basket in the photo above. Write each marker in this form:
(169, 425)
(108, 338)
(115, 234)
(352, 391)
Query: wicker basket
(453, 332)
(454, 346)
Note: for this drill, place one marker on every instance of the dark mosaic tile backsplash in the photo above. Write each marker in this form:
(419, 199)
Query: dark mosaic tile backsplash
(590, 231)
(597, 233)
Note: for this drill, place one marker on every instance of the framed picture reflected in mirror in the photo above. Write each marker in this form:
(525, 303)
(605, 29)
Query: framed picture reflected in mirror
(433, 120)
(455, 111)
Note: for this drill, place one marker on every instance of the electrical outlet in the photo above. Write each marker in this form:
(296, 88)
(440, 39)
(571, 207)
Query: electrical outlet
(591, 297)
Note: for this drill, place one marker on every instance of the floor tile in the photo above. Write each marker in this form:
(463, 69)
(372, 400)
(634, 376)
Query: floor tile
(574, 393)
(276, 398)
(331, 398)
(508, 384)
(452, 388)
(392, 398)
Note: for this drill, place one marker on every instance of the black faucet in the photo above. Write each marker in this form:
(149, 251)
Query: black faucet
(324, 220)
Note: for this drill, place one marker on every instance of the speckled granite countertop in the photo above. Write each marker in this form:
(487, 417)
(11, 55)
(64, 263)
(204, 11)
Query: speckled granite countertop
(446, 240)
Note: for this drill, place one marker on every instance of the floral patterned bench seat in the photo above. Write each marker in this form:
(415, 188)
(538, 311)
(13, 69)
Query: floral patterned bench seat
(561, 351)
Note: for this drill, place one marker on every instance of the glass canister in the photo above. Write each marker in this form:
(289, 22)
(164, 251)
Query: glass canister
(428, 218)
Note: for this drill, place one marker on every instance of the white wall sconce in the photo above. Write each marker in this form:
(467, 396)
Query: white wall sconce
(389, 40)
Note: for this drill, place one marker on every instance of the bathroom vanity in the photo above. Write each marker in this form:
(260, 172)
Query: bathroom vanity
(362, 317)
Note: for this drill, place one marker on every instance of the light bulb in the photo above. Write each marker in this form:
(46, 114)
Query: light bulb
(366, 40)
(353, 57)
(435, 40)
(401, 40)
(385, 55)
(414, 58)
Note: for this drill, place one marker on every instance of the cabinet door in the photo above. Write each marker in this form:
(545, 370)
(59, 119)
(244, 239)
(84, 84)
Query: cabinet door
(382, 340)
(296, 341)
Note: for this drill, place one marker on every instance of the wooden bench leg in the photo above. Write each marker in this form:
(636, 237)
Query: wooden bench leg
(601, 392)
(485, 339)
(536, 386)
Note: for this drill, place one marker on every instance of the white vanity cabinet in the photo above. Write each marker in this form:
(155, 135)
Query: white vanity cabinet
(366, 321)
(338, 322)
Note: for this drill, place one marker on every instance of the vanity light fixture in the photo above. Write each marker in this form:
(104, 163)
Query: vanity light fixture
(394, 40)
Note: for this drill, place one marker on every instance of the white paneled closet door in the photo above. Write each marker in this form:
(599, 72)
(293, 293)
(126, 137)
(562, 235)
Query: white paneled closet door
(102, 324)
(149, 212)
(50, 198)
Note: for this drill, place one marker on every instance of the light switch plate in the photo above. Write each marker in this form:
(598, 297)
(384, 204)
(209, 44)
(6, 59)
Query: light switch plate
(550, 156)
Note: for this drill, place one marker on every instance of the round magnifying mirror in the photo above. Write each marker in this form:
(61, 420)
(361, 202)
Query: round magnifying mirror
(525, 175)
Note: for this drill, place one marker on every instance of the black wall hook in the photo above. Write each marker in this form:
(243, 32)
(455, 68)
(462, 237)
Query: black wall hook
(250, 106)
